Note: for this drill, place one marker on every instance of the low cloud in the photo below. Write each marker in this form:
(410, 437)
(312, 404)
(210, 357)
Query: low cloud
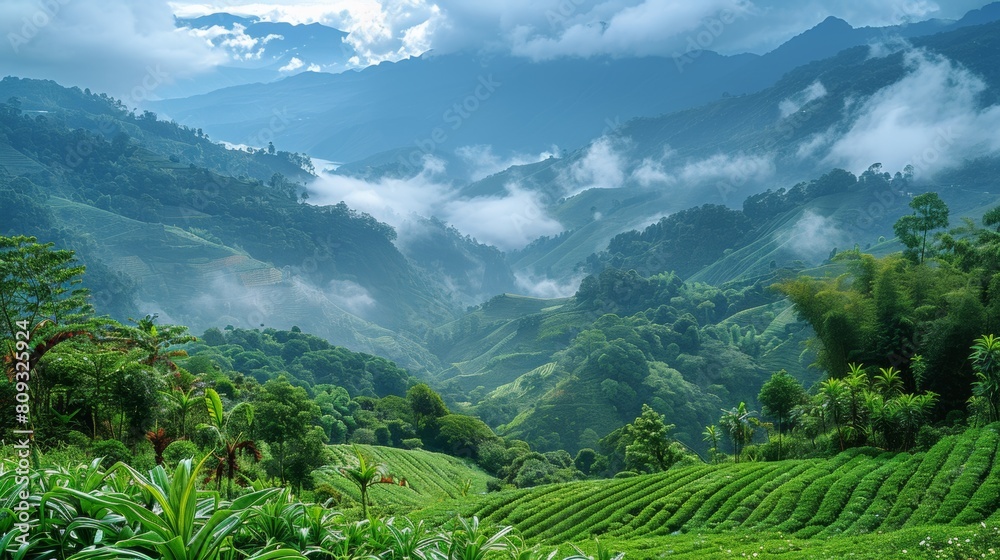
(888, 45)
(813, 236)
(483, 162)
(651, 172)
(347, 295)
(931, 118)
(601, 167)
(548, 288)
(736, 170)
(507, 220)
(796, 102)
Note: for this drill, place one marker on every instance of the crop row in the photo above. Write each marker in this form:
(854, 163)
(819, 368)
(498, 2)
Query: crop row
(859, 491)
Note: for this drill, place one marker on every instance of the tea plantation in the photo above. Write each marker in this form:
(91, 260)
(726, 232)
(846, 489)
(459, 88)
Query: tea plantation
(857, 503)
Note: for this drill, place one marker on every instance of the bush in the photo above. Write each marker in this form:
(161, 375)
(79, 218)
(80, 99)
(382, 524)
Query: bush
(78, 439)
(144, 457)
(626, 474)
(494, 485)
(413, 443)
(179, 450)
(327, 496)
(111, 451)
(364, 436)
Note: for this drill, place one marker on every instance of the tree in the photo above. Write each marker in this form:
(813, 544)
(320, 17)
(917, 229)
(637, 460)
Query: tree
(740, 425)
(651, 446)
(585, 459)
(778, 396)
(425, 404)
(183, 403)
(985, 359)
(834, 394)
(153, 343)
(992, 218)
(711, 437)
(929, 213)
(232, 445)
(40, 296)
(367, 473)
(284, 414)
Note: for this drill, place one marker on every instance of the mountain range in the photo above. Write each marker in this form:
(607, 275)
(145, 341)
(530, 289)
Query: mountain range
(678, 191)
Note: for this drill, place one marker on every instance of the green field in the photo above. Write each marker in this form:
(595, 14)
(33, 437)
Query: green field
(821, 505)
(431, 477)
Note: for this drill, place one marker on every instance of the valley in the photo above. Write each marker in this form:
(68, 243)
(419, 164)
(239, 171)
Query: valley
(474, 304)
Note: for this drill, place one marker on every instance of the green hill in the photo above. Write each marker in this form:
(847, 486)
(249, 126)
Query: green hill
(431, 477)
(859, 492)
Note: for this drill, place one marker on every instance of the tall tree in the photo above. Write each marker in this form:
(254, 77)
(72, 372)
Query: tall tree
(778, 396)
(40, 295)
(929, 213)
(284, 414)
(651, 447)
(740, 425)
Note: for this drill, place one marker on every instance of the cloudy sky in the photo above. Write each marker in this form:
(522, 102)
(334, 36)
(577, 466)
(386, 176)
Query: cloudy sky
(129, 47)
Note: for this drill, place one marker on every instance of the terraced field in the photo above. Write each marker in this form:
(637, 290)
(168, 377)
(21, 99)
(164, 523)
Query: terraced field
(432, 477)
(861, 491)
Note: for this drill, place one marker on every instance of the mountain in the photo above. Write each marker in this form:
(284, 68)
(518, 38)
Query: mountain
(435, 104)
(208, 236)
(829, 113)
(674, 227)
(261, 51)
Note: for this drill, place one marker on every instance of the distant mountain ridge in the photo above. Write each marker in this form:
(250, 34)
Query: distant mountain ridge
(261, 51)
(529, 108)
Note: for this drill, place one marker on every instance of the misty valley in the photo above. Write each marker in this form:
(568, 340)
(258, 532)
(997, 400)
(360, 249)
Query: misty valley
(444, 280)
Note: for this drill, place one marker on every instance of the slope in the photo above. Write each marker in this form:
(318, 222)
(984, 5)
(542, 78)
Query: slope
(431, 477)
(858, 492)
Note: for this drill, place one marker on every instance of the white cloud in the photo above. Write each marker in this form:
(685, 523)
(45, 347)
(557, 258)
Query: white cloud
(931, 119)
(547, 288)
(736, 170)
(813, 236)
(601, 167)
(239, 44)
(293, 65)
(507, 220)
(121, 47)
(793, 104)
(483, 162)
(650, 27)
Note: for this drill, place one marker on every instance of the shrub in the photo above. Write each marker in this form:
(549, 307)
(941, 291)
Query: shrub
(111, 451)
(179, 450)
(327, 495)
(364, 436)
